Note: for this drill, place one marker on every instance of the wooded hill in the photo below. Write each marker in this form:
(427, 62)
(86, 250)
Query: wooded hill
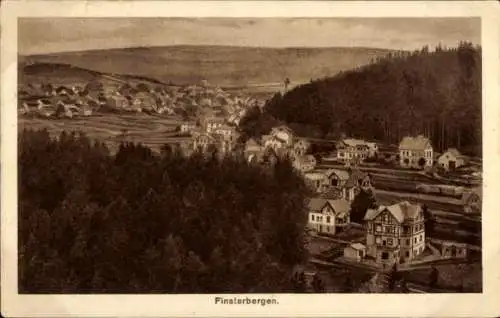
(434, 93)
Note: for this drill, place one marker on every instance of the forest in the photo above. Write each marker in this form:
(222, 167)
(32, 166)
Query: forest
(139, 222)
(435, 93)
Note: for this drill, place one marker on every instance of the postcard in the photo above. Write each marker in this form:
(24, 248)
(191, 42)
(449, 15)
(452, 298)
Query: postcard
(243, 158)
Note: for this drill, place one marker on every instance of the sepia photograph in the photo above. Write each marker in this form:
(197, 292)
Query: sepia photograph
(249, 155)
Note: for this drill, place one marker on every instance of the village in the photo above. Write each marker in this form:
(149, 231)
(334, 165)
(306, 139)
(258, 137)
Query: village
(391, 234)
(370, 204)
(396, 188)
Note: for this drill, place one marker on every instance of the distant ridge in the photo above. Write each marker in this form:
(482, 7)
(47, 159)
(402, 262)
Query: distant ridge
(219, 65)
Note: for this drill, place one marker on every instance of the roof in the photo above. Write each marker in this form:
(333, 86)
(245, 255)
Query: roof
(419, 142)
(358, 246)
(216, 119)
(401, 211)
(306, 159)
(354, 142)
(316, 204)
(314, 175)
(340, 206)
(355, 176)
(252, 143)
(342, 174)
(454, 152)
(188, 122)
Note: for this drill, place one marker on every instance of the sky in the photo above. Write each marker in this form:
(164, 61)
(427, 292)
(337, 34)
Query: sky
(50, 35)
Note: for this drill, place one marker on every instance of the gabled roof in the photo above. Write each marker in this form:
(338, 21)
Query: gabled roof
(341, 174)
(316, 204)
(454, 152)
(419, 142)
(340, 206)
(401, 211)
(357, 246)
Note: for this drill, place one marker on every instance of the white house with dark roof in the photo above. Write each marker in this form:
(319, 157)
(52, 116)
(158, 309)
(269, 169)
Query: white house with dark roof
(327, 216)
(395, 233)
(351, 149)
(416, 152)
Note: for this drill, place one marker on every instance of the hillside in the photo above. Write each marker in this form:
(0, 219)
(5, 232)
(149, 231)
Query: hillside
(433, 93)
(219, 65)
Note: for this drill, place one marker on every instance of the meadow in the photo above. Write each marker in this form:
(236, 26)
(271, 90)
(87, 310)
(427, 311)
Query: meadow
(150, 130)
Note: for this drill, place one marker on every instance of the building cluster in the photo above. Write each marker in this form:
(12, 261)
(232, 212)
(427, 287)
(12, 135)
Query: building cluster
(209, 133)
(49, 100)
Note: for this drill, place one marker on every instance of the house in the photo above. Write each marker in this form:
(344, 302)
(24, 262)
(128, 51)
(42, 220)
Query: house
(395, 233)
(121, 102)
(144, 101)
(273, 142)
(416, 152)
(304, 163)
(225, 130)
(224, 143)
(352, 150)
(333, 181)
(64, 91)
(253, 151)
(472, 201)
(284, 134)
(203, 142)
(212, 123)
(356, 251)
(301, 147)
(451, 159)
(187, 126)
(361, 179)
(66, 110)
(328, 216)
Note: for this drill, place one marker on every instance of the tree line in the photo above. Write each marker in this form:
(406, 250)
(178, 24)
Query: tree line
(436, 93)
(140, 222)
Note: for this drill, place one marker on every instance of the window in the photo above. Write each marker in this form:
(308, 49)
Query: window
(407, 242)
(406, 229)
(385, 255)
(415, 240)
(312, 217)
(421, 237)
(360, 253)
(389, 242)
(384, 242)
(327, 219)
(379, 228)
(407, 254)
(377, 240)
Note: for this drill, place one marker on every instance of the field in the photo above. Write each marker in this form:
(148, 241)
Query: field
(153, 131)
(219, 65)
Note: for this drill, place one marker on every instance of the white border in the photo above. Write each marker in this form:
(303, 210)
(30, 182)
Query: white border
(343, 305)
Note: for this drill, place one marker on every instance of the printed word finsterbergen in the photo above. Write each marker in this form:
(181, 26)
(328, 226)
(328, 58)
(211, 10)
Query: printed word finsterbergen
(245, 301)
